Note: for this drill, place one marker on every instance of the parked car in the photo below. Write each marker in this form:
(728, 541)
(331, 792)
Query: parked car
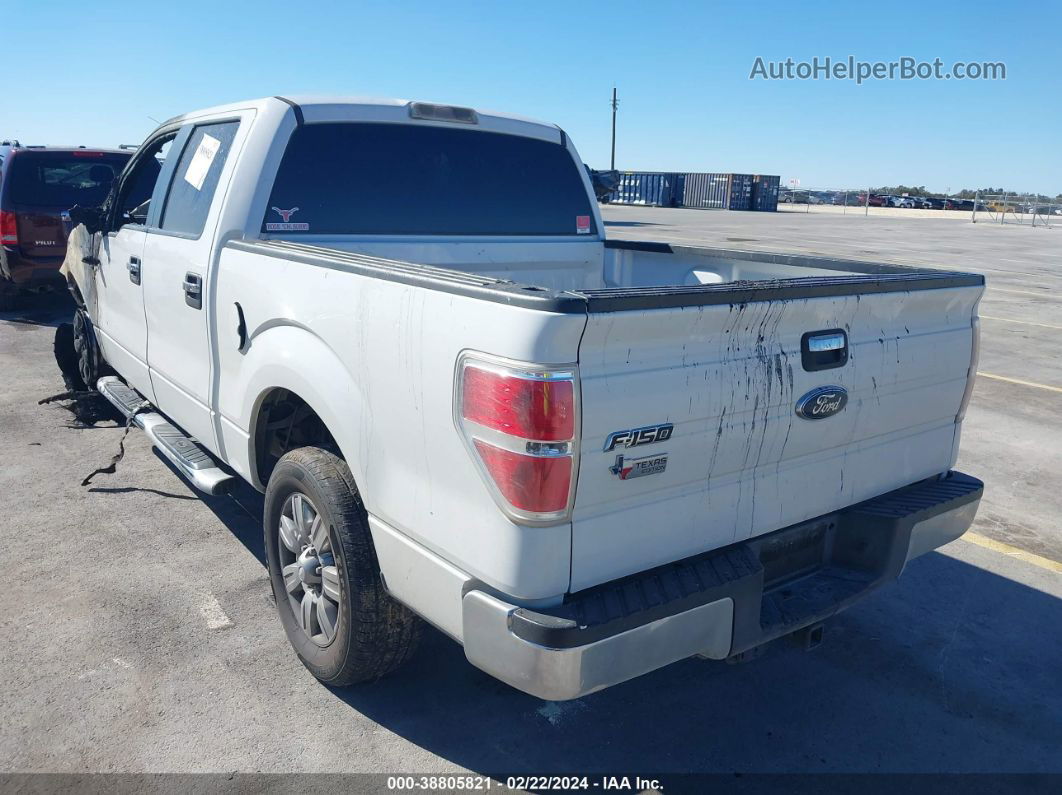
(875, 200)
(842, 198)
(967, 205)
(464, 405)
(803, 197)
(37, 186)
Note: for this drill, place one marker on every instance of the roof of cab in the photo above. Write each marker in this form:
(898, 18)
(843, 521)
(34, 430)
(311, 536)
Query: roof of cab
(66, 149)
(308, 104)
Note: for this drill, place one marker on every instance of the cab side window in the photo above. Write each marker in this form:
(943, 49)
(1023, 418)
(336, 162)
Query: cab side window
(134, 198)
(196, 178)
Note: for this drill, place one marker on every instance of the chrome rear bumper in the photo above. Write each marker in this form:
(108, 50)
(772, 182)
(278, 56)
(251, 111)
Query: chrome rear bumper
(718, 604)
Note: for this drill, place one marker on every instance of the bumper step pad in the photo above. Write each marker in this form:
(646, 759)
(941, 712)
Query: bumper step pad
(780, 582)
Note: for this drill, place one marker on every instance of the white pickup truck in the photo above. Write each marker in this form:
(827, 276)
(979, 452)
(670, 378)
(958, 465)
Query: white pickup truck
(581, 458)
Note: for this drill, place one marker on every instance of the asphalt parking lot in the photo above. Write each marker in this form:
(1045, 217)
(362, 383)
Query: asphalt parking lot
(139, 633)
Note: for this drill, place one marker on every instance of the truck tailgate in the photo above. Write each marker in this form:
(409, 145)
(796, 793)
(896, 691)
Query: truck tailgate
(740, 462)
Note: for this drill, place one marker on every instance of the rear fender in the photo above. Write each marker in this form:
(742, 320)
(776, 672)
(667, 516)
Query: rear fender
(279, 356)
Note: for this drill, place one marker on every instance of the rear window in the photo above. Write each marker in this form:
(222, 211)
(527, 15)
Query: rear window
(403, 179)
(63, 179)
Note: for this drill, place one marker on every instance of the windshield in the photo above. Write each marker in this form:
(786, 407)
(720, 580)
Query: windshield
(63, 179)
(408, 179)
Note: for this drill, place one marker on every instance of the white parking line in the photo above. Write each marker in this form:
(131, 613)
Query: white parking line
(1020, 322)
(214, 615)
(1022, 292)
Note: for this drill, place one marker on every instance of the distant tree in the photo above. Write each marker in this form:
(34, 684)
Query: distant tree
(900, 190)
(969, 193)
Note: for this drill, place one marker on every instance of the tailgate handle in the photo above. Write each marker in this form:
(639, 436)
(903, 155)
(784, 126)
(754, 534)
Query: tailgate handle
(824, 350)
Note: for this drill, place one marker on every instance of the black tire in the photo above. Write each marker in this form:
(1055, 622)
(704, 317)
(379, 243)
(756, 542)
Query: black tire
(374, 634)
(66, 357)
(90, 363)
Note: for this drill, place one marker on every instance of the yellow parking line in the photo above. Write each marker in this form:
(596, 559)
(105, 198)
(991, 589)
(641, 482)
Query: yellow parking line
(1013, 552)
(1019, 381)
(1022, 322)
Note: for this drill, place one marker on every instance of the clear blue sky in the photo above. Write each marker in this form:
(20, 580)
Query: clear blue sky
(682, 69)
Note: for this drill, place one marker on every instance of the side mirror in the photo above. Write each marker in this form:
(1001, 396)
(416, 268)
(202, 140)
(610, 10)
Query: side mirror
(91, 217)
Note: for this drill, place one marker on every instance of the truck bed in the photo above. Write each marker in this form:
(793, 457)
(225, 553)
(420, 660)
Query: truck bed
(628, 275)
(715, 344)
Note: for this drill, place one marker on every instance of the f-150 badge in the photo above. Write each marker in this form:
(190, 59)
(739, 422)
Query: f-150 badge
(637, 436)
(627, 468)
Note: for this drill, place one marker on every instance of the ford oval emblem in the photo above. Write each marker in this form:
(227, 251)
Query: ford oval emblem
(822, 402)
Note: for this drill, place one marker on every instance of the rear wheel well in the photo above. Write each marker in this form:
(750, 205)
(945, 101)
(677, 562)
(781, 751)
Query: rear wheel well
(286, 422)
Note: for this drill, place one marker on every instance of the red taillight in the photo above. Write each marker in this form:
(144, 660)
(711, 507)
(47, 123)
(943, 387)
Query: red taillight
(8, 228)
(530, 409)
(85, 153)
(520, 423)
(539, 484)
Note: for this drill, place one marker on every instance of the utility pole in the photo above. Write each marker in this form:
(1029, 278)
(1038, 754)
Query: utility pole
(615, 104)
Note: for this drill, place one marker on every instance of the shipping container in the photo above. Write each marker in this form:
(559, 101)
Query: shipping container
(653, 189)
(740, 192)
(765, 193)
(697, 190)
(704, 191)
(715, 191)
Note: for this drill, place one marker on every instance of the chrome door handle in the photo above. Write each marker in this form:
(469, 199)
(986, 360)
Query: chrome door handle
(134, 270)
(193, 290)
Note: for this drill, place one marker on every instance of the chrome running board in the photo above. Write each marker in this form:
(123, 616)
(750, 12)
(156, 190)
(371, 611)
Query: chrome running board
(191, 460)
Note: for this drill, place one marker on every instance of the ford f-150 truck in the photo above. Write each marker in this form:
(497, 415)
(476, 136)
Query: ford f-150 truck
(581, 458)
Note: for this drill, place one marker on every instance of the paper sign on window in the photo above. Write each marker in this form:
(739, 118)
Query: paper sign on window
(200, 165)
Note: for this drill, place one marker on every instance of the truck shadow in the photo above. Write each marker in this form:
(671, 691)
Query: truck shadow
(952, 669)
(240, 511)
